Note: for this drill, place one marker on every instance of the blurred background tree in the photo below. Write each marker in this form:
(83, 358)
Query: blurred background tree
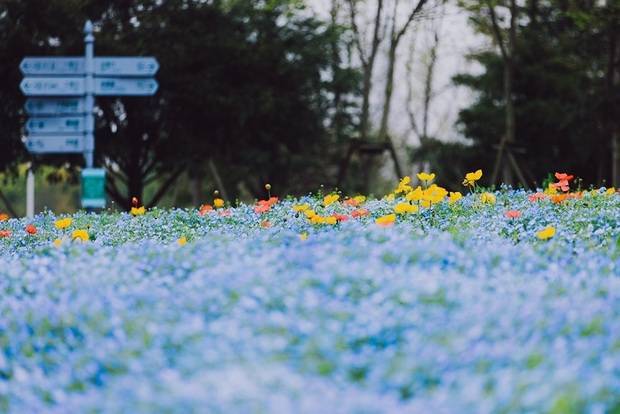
(565, 90)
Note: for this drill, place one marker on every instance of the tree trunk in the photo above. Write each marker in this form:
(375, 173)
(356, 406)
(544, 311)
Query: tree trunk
(508, 86)
(387, 93)
(613, 80)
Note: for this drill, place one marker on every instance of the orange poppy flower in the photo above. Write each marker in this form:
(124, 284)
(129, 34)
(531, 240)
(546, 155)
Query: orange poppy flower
(265, 224)
(360, 212)
(537, 197)
(204, 209)
(4, 217)
(341, 217)
(31, 229)
(559, 198)
(513, 214)
(5, 233)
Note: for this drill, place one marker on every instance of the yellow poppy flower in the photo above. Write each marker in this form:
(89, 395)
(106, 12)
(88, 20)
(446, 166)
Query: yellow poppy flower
(218, 203)
(386, 220)
(309, 213)
(405, 208)
(472, 177)
(426, 177)
(546, 233)
(403, 185)
(137, 211)
(182, 241)
(330, 220)
(487, 198)
(330, 199)
(454, 197)
(415, 195)
(81, 235)
(359, 199)
(62, 224)
(301, 207)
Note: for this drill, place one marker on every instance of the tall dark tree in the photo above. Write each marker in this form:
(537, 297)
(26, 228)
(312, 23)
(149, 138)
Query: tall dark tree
(564, 97)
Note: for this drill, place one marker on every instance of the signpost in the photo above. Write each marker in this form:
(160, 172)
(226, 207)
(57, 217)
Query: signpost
(61, 102)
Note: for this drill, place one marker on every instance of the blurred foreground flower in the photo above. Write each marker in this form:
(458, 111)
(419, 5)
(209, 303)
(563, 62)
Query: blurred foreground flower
(546, 233)
(62, 224)
(386, 220)
(80, 235)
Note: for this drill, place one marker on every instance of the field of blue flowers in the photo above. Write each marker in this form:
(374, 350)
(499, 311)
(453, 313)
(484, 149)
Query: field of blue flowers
(498, 302)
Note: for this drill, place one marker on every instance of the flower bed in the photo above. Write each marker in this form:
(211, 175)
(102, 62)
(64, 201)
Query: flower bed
(460, 305)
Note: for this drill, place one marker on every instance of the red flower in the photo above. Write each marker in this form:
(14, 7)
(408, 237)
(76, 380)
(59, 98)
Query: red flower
(265, 205)
(31, 229)
(513, 214)
(563, 176)
(341, 217)
(5, 233)
(360, 212)
(562, 185)
(537, 196)
(204, 209)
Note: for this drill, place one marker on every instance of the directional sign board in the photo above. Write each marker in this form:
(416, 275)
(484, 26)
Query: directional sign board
(49, 144)
(125, 86)
(42, 66)
(93, 188)
(48, 86)
(104, 66)
(54, 125)
(55, 106)
(125, 66)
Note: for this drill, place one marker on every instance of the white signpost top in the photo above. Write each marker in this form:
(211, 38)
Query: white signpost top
(104, 66)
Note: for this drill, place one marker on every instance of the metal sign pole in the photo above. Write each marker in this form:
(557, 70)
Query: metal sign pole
(30, 194)
(89, 145)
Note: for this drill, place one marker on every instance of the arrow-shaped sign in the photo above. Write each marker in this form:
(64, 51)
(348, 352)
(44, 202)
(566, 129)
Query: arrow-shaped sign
(55, 144)
(126, 66)
(55, 106)
(52, 86)
(52, 66)
(104, 66)
(127, 87)
(54, 125)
